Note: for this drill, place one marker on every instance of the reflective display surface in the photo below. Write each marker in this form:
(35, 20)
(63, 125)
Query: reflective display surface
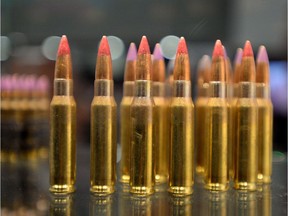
(24, 191)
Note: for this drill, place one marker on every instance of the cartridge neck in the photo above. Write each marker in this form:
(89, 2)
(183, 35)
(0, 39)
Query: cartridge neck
(203, 90)
(158, 89)
(63, 87)
(246, 90)
(143, 88)
(103, 87)
(181, 88)
(217, 89)
(262, 91)
(128, 88)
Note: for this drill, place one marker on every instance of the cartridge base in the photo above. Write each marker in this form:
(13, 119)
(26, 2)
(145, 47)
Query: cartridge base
(62, 189)
(216, 186)
(263, 179)
(245, 186)
(180, 191)
(141, 191)
(102, 189)
(125, 179)
(160, 179)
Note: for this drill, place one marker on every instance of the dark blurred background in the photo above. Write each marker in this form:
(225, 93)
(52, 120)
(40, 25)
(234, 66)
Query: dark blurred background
(31, 29)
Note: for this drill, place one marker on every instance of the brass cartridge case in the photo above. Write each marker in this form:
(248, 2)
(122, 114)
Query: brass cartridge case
(216, 175)
(142, 172)
(160, 133)
(62, 138)
(181, 175)
(246, 156)
(265, 129)
(103, 138)
(126, 131)
(200, 106)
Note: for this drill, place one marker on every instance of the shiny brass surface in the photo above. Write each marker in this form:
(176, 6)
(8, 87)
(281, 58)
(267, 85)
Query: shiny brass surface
(246, 156)
(181, 173)
(216, 176)
(142, 172)
(62, 157)
(103, 139)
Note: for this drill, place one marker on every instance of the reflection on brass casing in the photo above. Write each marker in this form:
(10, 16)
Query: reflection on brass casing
(216, 176)
(246, 203)
(103, 139)
(265, 201)
(141, 205)
(218, 204)
(160, 133)
(101, 205)
(181, 205)
(142, 171)
(200, 106)
(125, 121)
(265, 131)
(246, 156)
(181, 173)
(62, 138)
(61, 205)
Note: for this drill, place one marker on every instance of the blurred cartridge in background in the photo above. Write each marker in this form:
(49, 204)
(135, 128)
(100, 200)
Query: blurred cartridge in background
(237, 64)
(125, 119)
(265, 117)
(204, 67)
(103, 125)
(160, 128)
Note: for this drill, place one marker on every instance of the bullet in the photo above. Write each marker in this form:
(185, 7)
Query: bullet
(160, 128)
(181, 173)
(142, 172)
(103, 125)
(125, 119)
(62, 157)
(265, 117)
(216, 175)
(204, 67)
(246, 158)
(237, 64)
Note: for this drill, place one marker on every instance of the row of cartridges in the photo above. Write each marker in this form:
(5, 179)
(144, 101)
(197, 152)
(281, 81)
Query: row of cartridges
(231, 131)
(24, 117)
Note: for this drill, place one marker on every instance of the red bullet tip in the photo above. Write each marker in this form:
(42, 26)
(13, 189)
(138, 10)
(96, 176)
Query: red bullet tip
(248, 51)
(144, 46)
(63, 48)
(104, 48)
(182, 47)
(218, 49)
